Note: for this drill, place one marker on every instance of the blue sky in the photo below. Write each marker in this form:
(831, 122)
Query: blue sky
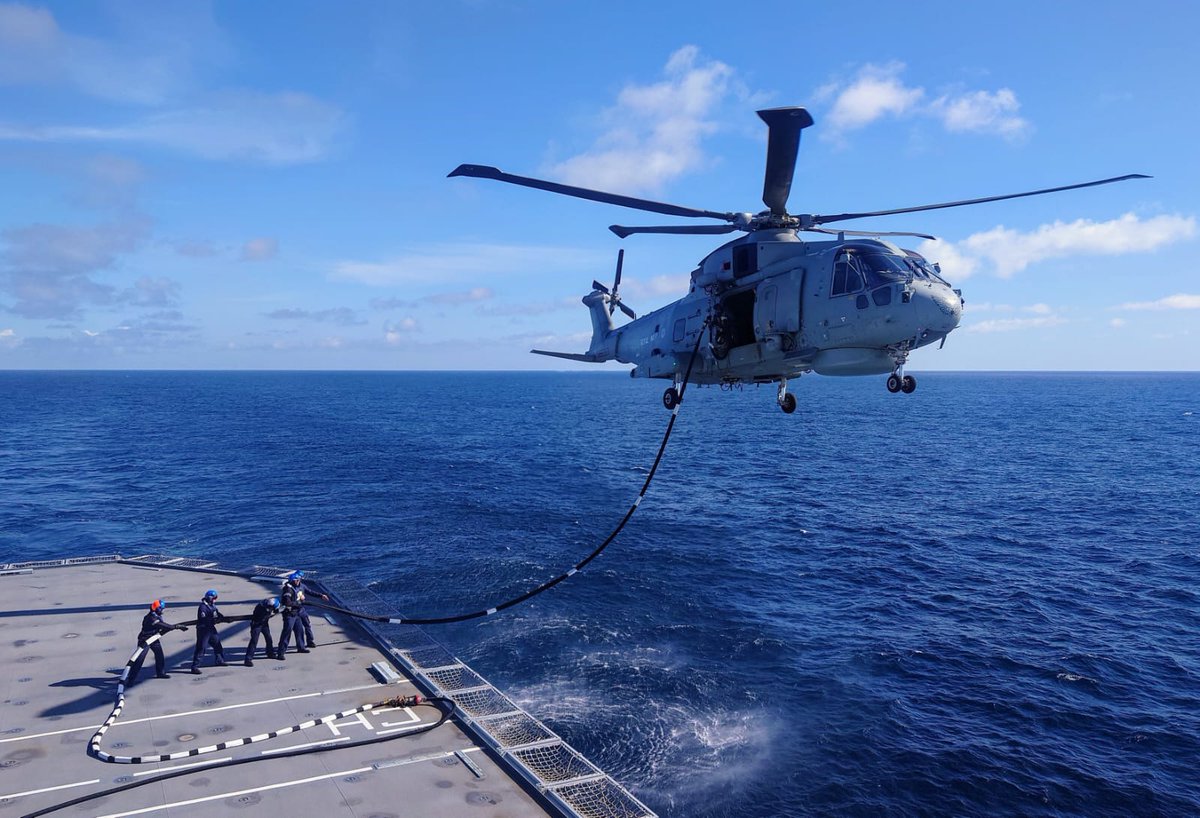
(263, 186)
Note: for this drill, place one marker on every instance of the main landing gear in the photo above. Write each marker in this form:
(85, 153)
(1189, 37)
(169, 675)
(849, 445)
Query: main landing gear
(787, 401)
(901, 383)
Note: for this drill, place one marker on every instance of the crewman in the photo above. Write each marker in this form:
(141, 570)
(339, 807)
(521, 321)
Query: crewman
(260, 623)
(153, 624)
(290, 597)
(207, 617)
(297, 579)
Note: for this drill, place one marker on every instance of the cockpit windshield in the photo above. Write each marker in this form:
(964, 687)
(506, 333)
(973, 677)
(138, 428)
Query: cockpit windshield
(882, 268)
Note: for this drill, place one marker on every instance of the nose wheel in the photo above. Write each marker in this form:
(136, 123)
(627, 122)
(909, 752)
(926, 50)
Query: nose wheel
(787, 401)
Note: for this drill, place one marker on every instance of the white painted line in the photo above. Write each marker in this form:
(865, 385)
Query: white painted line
(302, 746)
(94, 727)
(267, 788)
(184, 766)
(49, 789)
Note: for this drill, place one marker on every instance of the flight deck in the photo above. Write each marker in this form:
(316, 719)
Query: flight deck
(68, 627)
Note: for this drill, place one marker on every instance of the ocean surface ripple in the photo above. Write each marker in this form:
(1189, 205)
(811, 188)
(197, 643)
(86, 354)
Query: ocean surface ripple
(979, 599)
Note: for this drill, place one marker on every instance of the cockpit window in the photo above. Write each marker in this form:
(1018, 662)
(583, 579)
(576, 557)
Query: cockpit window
(847, 275)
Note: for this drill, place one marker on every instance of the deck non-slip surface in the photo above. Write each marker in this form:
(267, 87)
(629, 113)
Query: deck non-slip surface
(65, 635)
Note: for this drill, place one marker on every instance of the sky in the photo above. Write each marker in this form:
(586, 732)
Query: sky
(231, 185)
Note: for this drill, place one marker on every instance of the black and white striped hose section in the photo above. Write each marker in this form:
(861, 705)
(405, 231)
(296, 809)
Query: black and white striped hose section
(445, 620)
(94, 745)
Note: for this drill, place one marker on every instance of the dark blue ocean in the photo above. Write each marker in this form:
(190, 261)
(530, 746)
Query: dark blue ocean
(979, 599)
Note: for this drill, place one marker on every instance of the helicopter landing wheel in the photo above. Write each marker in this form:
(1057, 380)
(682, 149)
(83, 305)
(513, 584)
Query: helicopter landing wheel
(908, 385)
(788, 404)
(670, 398)
(894, 384)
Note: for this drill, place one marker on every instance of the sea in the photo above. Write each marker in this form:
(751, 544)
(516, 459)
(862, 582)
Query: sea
(982, 598)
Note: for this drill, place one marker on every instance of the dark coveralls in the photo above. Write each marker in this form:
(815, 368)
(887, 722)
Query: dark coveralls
(260, 623)
(289, 600)
(152, 623)
(207, 617)
(308, 631)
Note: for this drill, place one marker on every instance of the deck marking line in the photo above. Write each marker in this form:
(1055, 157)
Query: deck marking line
(266, 788)
(50, 789)
(193, 712)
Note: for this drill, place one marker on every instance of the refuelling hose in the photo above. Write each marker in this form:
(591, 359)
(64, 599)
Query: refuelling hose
(445, 706)
(94, 744)
(545, 586)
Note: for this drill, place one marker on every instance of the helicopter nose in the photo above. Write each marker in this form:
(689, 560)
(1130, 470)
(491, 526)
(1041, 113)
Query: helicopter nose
(942, 309)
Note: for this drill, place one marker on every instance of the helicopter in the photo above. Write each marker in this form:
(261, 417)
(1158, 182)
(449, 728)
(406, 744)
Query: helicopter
(771, 305)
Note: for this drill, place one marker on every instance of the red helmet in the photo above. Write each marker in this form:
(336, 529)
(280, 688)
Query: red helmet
(156, 605)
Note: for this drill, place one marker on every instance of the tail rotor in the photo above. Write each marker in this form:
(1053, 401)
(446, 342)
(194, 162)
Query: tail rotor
(614, 298)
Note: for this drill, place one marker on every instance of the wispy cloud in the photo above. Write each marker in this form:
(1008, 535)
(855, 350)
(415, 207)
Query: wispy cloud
(654, 133)
(458, 262)
(260, 249)
(274, 129)
(48, 269)
(1014, 324)
(878, 91)
(474, 295)
(1005, 251)
(335, 315)
(1179, 301)
(146, 58)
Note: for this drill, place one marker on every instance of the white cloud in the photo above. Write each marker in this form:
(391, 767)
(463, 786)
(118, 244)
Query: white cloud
(444, 263)
(654, 132)
(661, 285)
(981, 112)
(394, 332)
(1117, 323)
(260, 249)
(1008, 251)
(1180, 301)
(876, 92)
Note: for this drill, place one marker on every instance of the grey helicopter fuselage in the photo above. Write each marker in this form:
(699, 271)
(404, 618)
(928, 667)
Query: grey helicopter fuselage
(775, 307)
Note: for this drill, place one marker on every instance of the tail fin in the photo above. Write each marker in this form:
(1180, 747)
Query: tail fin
(601, 348)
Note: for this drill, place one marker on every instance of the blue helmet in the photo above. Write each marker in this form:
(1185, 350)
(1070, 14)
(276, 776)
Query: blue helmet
(296, 575)
(273, 602)
(210, 594)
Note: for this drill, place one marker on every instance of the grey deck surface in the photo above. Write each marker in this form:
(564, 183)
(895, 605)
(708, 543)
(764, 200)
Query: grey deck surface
(65, 634)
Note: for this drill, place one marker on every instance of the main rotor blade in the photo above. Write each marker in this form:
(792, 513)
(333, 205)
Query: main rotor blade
(811, 220)
(486, 172)
(783, 142)
(835, 232)
(678, 229)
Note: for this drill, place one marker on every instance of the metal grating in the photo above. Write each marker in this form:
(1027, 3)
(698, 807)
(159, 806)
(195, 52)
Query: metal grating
(16, 566)
(516, 729)
(485, 701)
(555, 763)
(432, 656)
(601, 798)
(455, 678)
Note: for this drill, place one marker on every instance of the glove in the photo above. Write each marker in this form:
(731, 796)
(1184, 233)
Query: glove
(181, 627)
